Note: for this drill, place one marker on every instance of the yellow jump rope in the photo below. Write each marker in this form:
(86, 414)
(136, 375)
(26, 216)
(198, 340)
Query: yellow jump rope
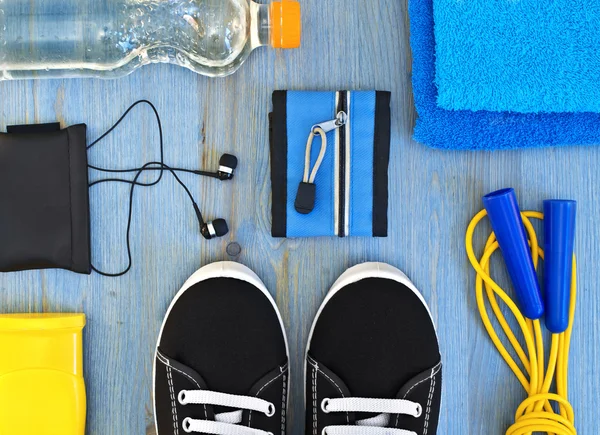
(535, 414)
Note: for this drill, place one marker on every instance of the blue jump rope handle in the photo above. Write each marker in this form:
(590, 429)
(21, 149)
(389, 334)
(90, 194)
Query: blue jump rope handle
(559, 238)
(505, 216)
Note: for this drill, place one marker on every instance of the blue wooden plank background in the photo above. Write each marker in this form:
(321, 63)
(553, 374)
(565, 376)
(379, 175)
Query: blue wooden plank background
(348, 44)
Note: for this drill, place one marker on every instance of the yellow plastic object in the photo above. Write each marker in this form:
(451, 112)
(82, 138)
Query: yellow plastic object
(286, 31)
(42, 391)
(535, 414)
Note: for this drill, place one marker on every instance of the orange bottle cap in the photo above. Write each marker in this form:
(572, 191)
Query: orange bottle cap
(286, 30)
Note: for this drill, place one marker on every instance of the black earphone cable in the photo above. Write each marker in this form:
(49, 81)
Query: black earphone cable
(159, 166)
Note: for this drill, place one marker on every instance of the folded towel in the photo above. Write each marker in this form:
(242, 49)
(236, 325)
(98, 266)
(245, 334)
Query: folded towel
(449, 129)
(527, 56)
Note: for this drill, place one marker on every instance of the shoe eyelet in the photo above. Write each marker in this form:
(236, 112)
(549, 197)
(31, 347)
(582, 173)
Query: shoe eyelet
(419, 410)
(324, 405)
(181, 397)
(270, 410)
(187, 425)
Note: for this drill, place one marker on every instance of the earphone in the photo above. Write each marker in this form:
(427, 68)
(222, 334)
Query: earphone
(227, 166)
(218, 227)
(208, 229)
(212, 229)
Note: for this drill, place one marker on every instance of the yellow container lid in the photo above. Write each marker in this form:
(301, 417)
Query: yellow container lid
(40, 321)
(286, 24)
(42, 390)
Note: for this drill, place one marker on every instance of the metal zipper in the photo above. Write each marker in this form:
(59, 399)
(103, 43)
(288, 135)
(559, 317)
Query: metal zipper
(338, 122)
(342, 143)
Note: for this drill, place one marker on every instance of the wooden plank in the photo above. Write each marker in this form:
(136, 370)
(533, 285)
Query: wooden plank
(347, 45)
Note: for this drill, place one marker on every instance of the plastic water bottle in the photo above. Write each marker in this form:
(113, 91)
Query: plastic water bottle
(111, 38)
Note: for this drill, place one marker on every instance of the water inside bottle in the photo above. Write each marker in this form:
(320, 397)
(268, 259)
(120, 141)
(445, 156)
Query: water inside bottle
(108, 35)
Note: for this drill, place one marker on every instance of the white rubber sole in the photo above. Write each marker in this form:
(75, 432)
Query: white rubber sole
(355, 274)
(222, 269)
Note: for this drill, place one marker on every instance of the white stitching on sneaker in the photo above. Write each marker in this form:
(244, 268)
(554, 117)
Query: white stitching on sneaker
(316, 365)
(434, 372)
(429, 399)
(259, 391)
(173, 405)
(436, 369)
(314, 388)
(338, 387)
(283, 405)
(166, 362)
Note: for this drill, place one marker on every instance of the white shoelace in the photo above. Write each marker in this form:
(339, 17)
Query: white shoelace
(226, 423)
(371, 426)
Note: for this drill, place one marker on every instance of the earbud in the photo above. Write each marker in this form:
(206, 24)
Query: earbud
(216, 228)
(210, 230)
(227, 166)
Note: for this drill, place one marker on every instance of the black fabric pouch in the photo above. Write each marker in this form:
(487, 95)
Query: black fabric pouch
(44, 200)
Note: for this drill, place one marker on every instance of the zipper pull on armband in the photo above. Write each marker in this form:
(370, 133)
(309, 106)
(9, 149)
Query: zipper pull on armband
(307, 190)
(306, 197)
(327, 126)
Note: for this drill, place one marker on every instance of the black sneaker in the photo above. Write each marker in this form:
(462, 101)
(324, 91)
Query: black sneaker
(221, 364)
(373, 363)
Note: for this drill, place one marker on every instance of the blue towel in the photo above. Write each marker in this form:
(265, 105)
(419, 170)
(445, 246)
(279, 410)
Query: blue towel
(448, 129)
(527, 56)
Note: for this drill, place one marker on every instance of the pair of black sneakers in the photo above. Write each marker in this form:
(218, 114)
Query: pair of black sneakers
(372, 366)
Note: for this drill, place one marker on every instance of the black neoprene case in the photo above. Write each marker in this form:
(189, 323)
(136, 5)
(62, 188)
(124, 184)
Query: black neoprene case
(44, 202)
